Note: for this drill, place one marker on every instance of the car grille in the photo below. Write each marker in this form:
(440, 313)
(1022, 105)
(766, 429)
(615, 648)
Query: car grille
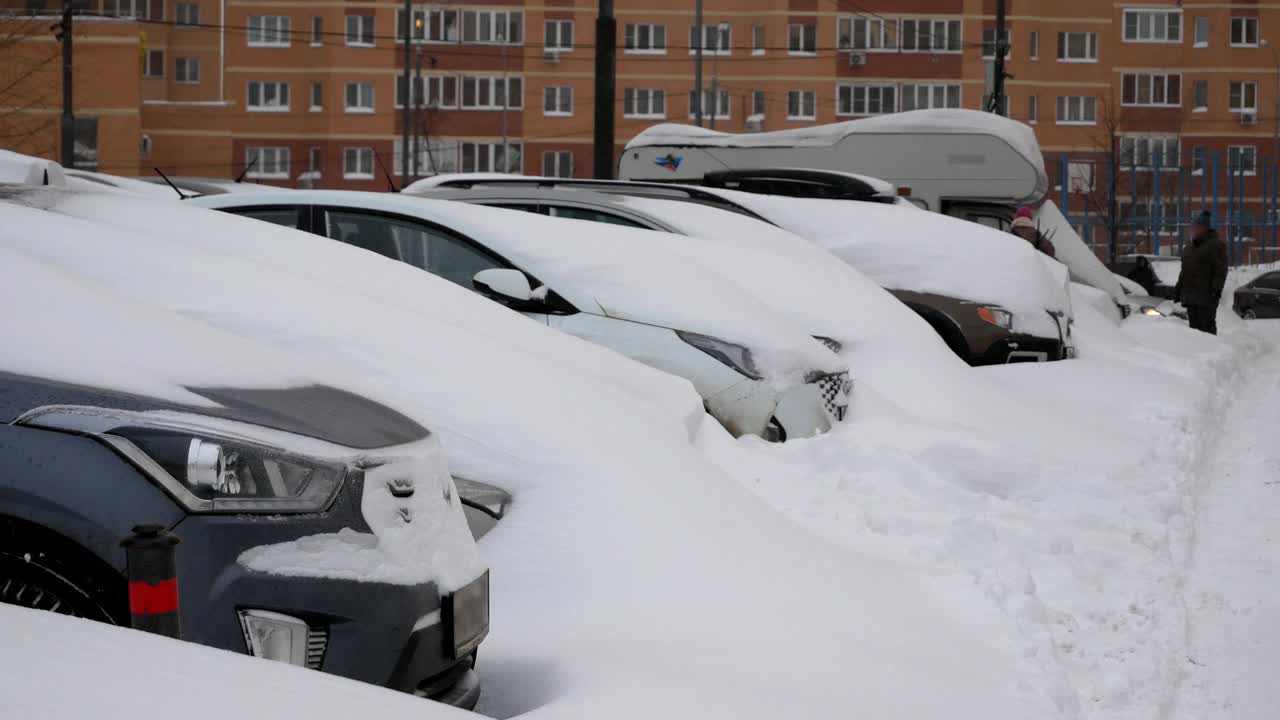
(834, 390)
(832, 345)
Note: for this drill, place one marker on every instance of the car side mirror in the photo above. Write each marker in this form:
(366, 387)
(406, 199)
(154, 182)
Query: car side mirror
(503, 282)
(483, 505)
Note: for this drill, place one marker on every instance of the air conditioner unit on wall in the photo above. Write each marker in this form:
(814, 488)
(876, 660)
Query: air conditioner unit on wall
(1248, 119)
(857, 58)
(551, 56)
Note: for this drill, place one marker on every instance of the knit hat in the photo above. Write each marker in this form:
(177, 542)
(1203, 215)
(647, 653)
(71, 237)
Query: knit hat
(1022, 221)
(1023, 212)
(1204, 218)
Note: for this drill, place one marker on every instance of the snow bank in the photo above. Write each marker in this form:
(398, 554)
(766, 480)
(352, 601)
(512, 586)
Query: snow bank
(123, 674)
(610, 596)
(1084, 557)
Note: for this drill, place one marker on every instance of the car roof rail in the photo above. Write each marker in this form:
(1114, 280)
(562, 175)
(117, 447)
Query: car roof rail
(802, 182)
(657, 190)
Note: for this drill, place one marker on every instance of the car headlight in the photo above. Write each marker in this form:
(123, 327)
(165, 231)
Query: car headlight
(735, 356)
(218, 474)
(1150, 311)
(996, 316)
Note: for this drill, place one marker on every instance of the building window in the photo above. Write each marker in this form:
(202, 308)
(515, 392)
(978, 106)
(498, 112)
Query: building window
(1150, 89)
(268, 96)
(930, 96)
(1035, 46)
(1244, 31)
(866, 34)
(187, 71)
(1144, 151)
(441, 91)
(360, 31)
(1080, 177)
(433, 156)
(440, 26)
(558, 35)
(802, 39)
(1242, 159)
(1033, 109)
(314, 160)
(1077, 47)
(268, 31)
(357, 163)
(317, 96)
(1199, 159)
(1243, 97)
(271, 163)
(757, 40)
(557, 163)
(1077, 110)
(716, 39)
(418, 32)
(931, 35)
(557, 101)
(154, 66)
(317, 31)
(358, 97)
(721, 109)
(757, 102)
(864, 99)
(1202, 31)
(644, 39)
(644, 103)
(989, 44)
(802, 105)
(493, 27)
(490, 93)
(1200, 95)
(489, 157)
(188, 13)
(1163, 26)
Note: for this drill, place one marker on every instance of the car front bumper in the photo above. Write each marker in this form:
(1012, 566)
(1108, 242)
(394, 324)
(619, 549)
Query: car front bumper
(752, 407)
(1015, 348)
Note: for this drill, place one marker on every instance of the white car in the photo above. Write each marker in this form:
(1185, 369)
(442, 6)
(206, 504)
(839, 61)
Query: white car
(757, 373)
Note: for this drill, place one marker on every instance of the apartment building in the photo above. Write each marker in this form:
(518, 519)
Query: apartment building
(295, 92)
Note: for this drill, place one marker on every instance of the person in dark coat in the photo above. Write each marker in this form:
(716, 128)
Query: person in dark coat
(1204, 272)
(1143, 274)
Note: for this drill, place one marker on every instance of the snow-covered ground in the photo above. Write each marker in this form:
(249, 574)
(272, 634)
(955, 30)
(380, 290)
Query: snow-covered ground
(1087, 558)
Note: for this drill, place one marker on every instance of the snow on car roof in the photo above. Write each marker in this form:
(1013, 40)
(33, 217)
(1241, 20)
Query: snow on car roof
(616, 267)
(947, 122)
(18, 169)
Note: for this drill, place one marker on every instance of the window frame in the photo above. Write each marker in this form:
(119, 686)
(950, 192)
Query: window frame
(283, 29)
(193, 14)
(154, 59)
(650, 94)
(801, 95)
(632, 31)
(930, 88)
(190, 63)
(1246, 21)
(559, 25)
(722, 49)
(362, 39)
(278, 84)
(1164, 151)
(888, 33)
(1196, 85)
(1064, 45)
(256, 172)
(1196, 42)
(560, 91)
(867, 88)
(357, 174)
(759, 39)
(954, 40)
(492, 82)
(317, 31)
(492, 148)
(1034, 42)
(360, 108)
(1062, 110)
(557, 157)
(1033, 109)
(1252, 154)
(812, 30)
(508, 14)
(1153, 12)
(723, 99)
(1151, 78)
(1008, 35)
(1243, 86)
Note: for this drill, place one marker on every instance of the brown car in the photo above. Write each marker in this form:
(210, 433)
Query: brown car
(974, 332)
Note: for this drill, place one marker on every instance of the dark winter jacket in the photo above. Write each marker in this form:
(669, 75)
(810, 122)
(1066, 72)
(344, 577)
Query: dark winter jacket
(1144, 276)
(1204, 271)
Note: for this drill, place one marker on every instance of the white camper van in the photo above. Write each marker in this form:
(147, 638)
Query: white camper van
(965, 163)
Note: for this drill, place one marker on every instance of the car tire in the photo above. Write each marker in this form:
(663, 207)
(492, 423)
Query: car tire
(38, 582)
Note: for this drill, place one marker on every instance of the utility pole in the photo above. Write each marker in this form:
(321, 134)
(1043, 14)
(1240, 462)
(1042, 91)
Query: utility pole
(997, 94)
(417, 108)
(506, 90)
(606, 92)
(408, 93)
(697, 62)
(68, 118)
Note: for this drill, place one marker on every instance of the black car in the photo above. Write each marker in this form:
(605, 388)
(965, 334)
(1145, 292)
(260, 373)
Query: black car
(1259, 298)
(240, 479)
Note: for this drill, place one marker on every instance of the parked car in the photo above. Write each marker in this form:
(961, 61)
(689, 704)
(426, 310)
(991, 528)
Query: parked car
(208, 186)
(756, 372)
(1259, 298)
(317, 526)
(1166, 268)
(971, 314)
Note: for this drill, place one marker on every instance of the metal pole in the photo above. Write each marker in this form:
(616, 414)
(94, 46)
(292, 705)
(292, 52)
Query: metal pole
(697, 62)
(606, 91)
(997, 96)
(506, 87)
(715, 76)
(1275, 133)
(408, 93)
(1113, 220)
(68, 118)
(417, 109)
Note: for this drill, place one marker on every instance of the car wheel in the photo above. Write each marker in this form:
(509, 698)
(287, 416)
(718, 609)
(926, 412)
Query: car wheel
(39, 582)
(1250, 314)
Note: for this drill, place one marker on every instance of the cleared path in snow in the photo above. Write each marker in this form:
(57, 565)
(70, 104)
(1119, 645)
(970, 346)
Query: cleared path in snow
(1233, 587)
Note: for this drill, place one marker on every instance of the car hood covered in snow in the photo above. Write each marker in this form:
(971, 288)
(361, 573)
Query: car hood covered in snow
(902, 249)
(612, 270)
(610, 596)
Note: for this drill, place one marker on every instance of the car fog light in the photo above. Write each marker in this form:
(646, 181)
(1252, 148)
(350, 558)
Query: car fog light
(275, 636)
(1151, 312)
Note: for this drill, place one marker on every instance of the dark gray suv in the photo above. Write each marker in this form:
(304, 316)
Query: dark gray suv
(259, 485)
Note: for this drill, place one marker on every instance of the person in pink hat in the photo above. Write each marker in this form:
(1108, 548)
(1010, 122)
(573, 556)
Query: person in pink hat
(1025, 227)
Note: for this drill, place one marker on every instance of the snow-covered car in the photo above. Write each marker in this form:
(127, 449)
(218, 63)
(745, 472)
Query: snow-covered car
(757, 373)
(316, 526)
(1007, 305)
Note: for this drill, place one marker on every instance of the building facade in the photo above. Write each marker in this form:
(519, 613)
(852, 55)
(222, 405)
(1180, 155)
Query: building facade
(1139, 107)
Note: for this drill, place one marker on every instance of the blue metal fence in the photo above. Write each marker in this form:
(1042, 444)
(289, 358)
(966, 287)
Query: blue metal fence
(1127, 204)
